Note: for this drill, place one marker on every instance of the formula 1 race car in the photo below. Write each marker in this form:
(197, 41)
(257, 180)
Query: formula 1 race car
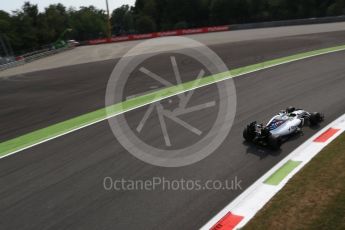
(288, 122)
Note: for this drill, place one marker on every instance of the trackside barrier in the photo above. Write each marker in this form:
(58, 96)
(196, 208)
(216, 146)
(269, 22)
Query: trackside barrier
(307, 21)
(295, 22)
(158, 34)
(11, 64)
(26, 59)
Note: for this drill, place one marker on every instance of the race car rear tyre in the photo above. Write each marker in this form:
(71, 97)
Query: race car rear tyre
(248, 134)
(274, 142)
(315, 118)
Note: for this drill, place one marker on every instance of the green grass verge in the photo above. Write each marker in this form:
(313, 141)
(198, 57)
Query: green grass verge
(313, 199)
(27, 140)
(282, 172)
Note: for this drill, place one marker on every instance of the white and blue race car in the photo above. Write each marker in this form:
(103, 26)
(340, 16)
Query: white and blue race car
(288, 122)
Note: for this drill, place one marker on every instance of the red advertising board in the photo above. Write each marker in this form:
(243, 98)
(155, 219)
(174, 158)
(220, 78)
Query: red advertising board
(159, 34)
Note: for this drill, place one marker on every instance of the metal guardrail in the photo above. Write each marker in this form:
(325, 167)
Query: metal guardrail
(11, 65)
(293, 22)
(33, 57)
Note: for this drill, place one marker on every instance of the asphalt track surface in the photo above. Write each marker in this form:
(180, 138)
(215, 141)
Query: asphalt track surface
(59, 184)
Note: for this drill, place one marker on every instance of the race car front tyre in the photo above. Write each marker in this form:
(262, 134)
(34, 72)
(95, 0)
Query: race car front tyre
(315, 118)
(290, 109)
